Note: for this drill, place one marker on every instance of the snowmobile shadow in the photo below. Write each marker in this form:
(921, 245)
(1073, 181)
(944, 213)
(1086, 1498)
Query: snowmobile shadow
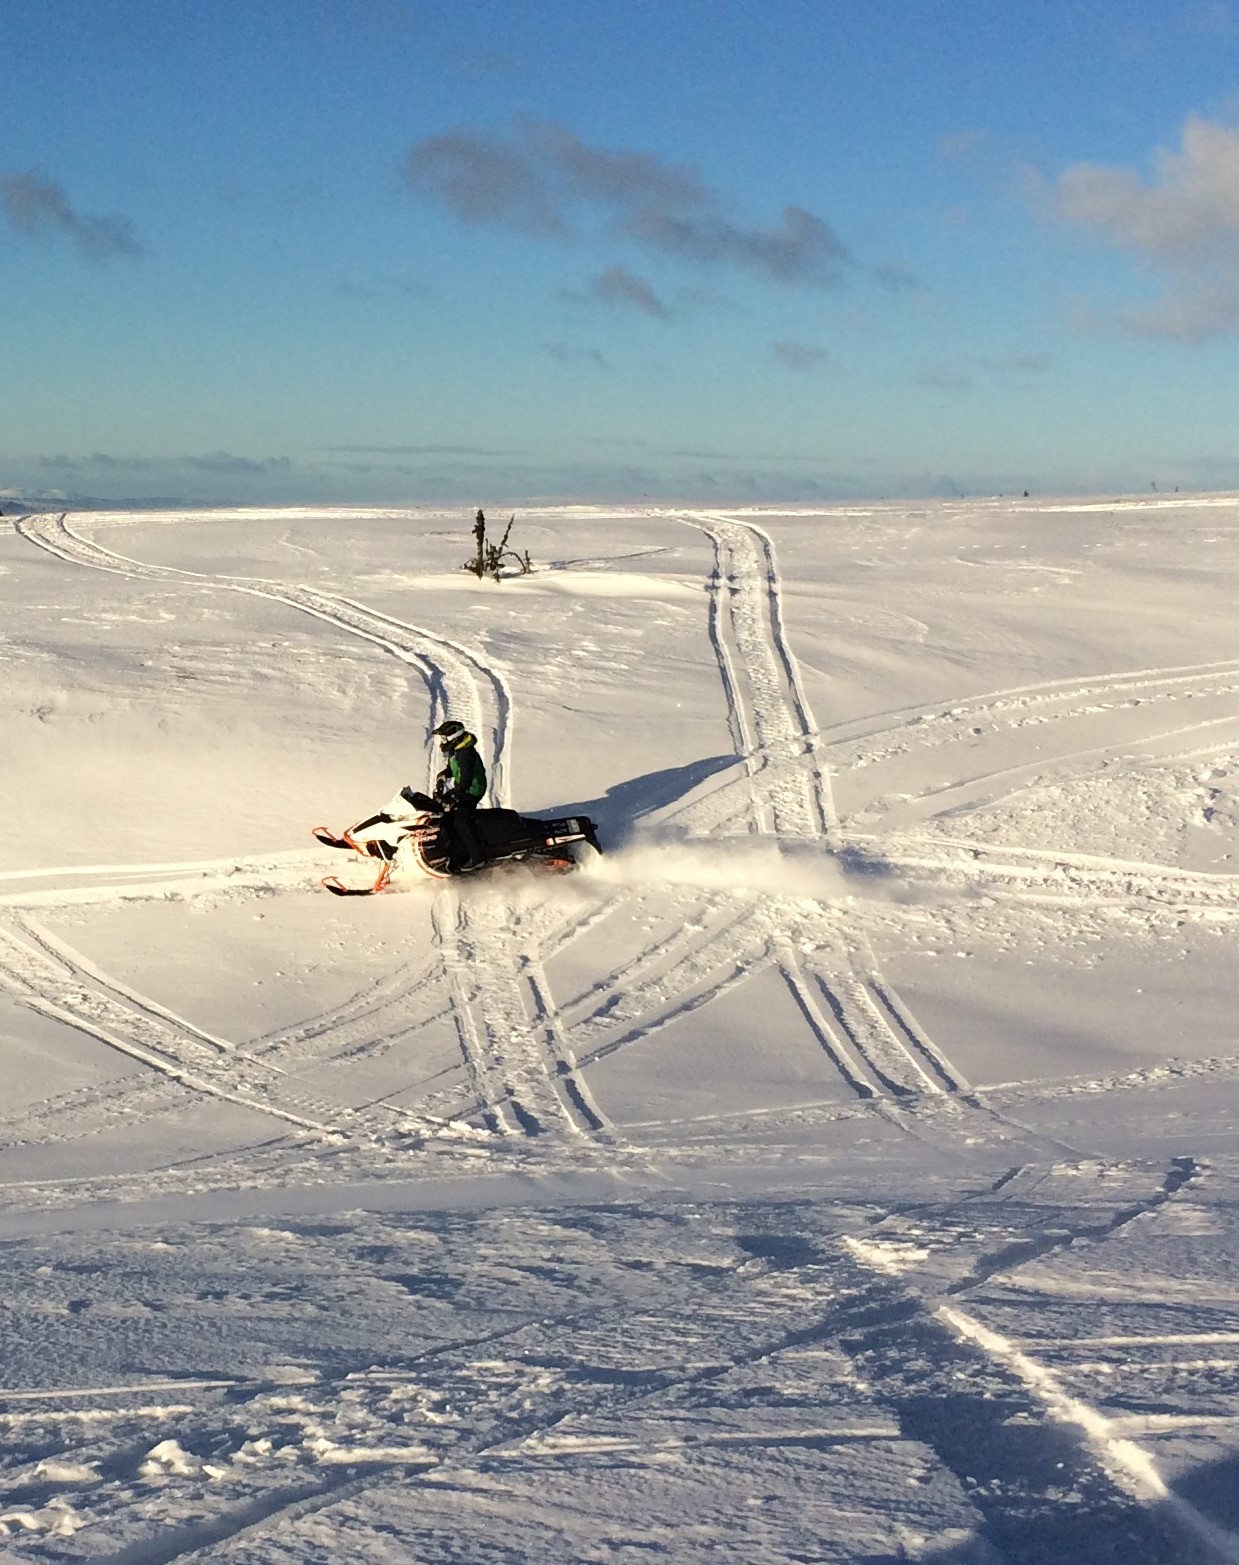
(617, 812)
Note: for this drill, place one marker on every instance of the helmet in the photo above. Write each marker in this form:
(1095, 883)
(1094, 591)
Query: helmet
(449, 733)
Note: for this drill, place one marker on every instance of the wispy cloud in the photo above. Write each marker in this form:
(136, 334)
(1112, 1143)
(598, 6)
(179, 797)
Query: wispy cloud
(620, 286)
(211, 462)
(421, 450)
(381, 288)
(1182, 220)
(37, 207)
(101, 461)
(562, 353)
(798, 355)
(1213, 18)
(225, 462)
(943, 377)
(962, 374)
(544, 180)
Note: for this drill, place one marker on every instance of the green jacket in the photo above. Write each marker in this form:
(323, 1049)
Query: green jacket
(466, 769)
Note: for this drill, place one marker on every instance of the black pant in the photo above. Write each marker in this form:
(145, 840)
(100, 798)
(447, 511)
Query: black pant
(465, 831)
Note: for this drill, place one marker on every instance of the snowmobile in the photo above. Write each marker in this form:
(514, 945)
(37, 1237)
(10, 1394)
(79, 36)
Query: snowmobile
(417, 829)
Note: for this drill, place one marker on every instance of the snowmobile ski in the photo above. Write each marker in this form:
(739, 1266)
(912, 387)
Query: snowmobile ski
(328, 838)
(334, 884)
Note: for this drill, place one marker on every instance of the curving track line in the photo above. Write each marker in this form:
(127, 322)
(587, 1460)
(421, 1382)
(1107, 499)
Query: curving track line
(768, 712)
(453, 674)
(864, 1039)
(880, 1055)
(47, 982)
(1092, 880)
(491, 1010)
(524, 1056)
(870, 741)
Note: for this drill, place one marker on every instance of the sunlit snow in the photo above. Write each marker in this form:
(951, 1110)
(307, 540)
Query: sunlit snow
(840, 1168)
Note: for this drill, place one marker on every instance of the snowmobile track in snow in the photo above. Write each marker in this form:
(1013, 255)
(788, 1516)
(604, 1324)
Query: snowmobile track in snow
(781, 1313)
(455, 676)
(1089, 879)
(524, 1054)
(855, 744)
(460, 681)
(53, 985)
(46, 975)
(849, 1011)
(522, 1060)
(772, 727)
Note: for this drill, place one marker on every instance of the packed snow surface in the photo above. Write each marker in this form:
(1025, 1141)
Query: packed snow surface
(843, 1167)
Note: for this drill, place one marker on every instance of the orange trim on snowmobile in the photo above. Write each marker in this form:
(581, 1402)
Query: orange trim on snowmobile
(329, 838)
(414, 839)
(334, 883)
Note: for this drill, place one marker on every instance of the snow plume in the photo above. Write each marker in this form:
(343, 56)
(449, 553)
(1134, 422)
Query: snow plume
(753, 864)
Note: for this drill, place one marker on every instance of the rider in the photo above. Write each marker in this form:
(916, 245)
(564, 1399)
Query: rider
(460, 786)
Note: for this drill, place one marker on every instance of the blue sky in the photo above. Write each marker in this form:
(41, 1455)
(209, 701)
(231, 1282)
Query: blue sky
(486, 251)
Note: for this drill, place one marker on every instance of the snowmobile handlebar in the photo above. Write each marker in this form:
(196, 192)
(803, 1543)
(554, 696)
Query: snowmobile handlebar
(422, 801)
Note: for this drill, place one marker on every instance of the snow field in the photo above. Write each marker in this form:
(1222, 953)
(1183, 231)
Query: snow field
(840, 1167)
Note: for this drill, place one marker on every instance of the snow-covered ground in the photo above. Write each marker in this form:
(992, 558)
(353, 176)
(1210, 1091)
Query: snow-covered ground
(842, 1168)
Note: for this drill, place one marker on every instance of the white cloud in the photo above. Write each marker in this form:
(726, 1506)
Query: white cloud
(1191, 203)
(1182, 220)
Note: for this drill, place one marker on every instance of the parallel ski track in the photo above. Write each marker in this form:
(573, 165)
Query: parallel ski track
(772, 722)
(571, 1086)
(716, 933)
(383, 1016)
(47, 975)
(985, 790)
(868, 1036)
(492, 998)
(768, 712)
(891, 1360)
(501, 1044)
(868, 741)
(86, 1112)
(42, 979)
(455, 676)
(1092, 880)
(638, 1006)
